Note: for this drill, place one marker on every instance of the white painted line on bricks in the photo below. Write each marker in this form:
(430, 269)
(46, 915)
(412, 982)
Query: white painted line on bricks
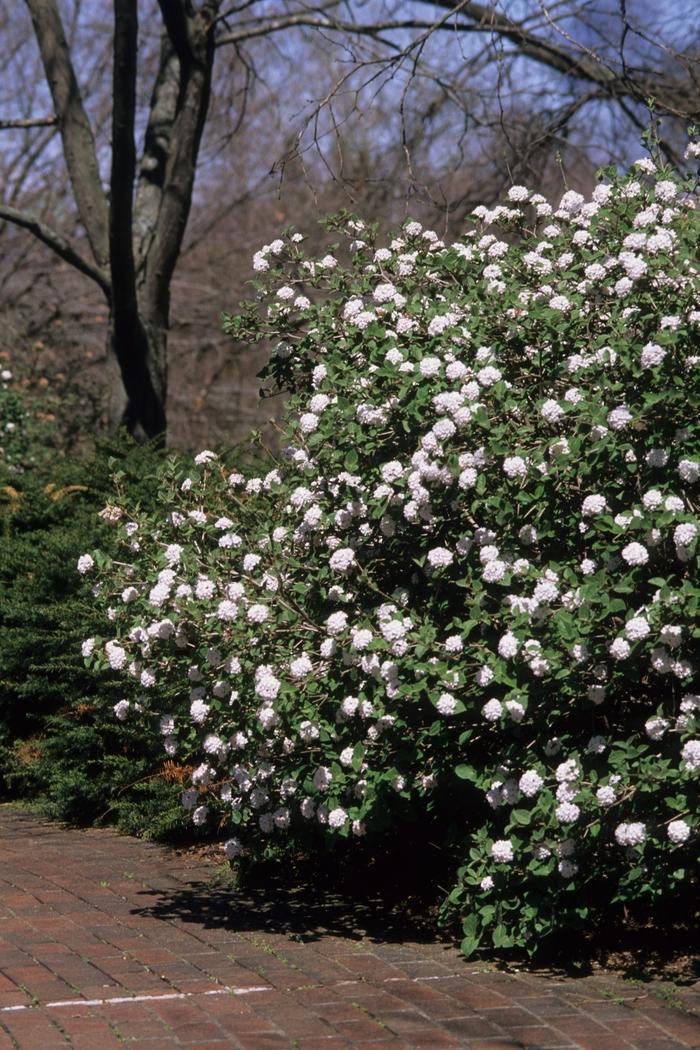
(61, 1003)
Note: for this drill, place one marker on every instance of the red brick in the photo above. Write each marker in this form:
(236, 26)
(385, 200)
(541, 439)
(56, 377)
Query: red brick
(470, 1027)
(435, 1039)
(335, 1042)
(658, 1043)
(329, 993)
(365, 1029)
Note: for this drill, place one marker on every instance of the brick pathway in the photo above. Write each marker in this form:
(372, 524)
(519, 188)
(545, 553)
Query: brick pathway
(107, 942)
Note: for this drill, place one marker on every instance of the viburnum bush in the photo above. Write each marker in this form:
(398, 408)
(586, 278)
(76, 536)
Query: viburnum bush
(467, 594)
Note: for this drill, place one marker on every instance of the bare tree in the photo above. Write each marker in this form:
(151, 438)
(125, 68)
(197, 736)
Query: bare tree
(460, 76)
(135, 230)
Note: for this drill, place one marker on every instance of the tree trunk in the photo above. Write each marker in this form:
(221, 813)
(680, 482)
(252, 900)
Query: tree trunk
(115, 399)
(137, 339)
(145, 241)
(135, 249)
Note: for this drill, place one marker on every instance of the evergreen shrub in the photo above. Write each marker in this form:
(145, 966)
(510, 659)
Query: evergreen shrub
(14, 439)
(59, 744)
(466, 598)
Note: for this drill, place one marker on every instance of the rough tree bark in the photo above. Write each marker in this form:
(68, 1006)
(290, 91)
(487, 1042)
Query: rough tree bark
(134, 243)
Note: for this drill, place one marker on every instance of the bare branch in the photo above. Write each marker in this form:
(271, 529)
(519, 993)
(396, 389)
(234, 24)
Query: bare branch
(468, 16)
(489, 20)
(235, 10)
(76, 133)
(57, 244)
(265, 27)
(670, 93)
(29, 122)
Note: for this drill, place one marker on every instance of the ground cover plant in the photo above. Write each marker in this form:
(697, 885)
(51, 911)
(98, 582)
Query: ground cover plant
(463, 605)
(25, 432)
(60, 746)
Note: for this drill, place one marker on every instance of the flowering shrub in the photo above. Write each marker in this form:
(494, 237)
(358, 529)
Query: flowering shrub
(468, 590)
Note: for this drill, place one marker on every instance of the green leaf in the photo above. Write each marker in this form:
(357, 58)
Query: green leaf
(469, 945)
(501, 938)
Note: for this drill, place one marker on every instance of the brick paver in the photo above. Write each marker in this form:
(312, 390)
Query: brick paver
(108, 943)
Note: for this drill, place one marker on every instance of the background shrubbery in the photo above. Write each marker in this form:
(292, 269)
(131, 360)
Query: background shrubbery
(59, 743)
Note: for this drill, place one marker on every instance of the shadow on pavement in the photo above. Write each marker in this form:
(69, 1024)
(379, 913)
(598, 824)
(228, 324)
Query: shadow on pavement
(303, 912)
